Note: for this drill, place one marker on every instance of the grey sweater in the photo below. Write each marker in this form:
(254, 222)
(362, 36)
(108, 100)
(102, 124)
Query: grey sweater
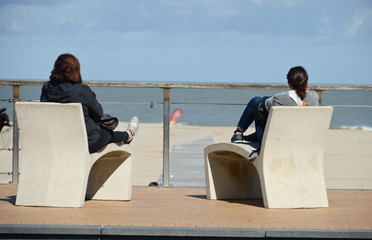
(284, 99)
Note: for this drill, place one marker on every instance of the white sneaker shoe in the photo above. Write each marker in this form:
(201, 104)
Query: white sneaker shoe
(133, 126)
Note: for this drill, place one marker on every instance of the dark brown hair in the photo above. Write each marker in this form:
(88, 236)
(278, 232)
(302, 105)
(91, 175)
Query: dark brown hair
(66, 69)
(297, 77)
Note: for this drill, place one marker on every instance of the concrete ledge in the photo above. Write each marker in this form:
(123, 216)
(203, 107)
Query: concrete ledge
(57, 231)
(50, 230)
(319, 233)
(184, 231)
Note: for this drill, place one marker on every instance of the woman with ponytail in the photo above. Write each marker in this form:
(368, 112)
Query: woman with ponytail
(258, 108)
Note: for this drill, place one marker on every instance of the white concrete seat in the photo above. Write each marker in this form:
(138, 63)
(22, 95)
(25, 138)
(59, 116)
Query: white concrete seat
(288, 173)
(55, 163)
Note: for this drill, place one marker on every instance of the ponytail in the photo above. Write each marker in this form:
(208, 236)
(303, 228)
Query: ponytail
(301, 92)
(297, 77)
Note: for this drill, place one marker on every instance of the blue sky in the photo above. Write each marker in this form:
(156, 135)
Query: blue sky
(226, 41)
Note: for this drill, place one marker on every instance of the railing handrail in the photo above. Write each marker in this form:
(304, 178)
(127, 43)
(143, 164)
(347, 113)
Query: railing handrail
(317, 87)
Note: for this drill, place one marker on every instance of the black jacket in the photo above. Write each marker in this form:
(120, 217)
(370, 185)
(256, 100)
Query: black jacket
(70, 92)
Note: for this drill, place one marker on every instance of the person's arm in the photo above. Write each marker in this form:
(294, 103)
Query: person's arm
(94, 107)
(43, 98)
(279, 99)
(271, 101)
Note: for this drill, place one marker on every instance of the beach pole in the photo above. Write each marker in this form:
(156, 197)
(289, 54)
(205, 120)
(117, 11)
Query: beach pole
(166, 112)
(15, 162)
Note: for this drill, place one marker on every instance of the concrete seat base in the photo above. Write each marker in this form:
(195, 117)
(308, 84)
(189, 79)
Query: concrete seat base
(288, 173)
(55, 164)
(110, 177)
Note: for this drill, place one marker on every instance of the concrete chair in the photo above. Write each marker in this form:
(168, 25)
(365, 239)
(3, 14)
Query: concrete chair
(56, 168)
(288, 173)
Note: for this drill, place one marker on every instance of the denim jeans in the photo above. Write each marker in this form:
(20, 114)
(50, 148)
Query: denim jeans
(247, 119)
(106, 137)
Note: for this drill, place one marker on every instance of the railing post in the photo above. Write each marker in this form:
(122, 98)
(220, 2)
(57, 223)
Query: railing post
(320, 93)
(166, 110)
(15, 162)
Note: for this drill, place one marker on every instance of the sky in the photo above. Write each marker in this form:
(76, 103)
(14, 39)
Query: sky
(190, 41)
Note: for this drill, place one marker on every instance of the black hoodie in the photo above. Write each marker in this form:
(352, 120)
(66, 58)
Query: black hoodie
(70, 92)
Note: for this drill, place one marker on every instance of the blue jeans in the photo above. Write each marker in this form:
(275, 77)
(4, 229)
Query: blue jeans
(247, 119)
(106, 137)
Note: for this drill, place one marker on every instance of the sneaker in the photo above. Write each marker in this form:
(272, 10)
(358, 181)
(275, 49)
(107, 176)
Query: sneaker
(133, 128)
(254, 154)
(237, 138)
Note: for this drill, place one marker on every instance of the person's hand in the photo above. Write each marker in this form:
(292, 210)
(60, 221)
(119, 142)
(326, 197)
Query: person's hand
(4, 120)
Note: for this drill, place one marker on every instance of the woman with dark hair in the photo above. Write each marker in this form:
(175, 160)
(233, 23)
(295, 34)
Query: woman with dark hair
(65, 86)
(258, 108)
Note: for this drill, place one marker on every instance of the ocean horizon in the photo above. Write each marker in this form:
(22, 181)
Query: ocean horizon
(206, 107)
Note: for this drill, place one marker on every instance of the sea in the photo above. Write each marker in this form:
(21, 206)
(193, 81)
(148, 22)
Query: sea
(205, 107)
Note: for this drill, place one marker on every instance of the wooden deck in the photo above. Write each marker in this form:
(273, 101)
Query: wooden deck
(153, 209)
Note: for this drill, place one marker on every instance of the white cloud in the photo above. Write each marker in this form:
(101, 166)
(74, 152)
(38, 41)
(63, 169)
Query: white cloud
(354, 26)
(46, 18)
(16, 27)
(361, 22)
(324, 26)
(19, 18)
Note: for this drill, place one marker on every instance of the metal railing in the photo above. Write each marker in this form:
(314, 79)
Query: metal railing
(166, 87)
